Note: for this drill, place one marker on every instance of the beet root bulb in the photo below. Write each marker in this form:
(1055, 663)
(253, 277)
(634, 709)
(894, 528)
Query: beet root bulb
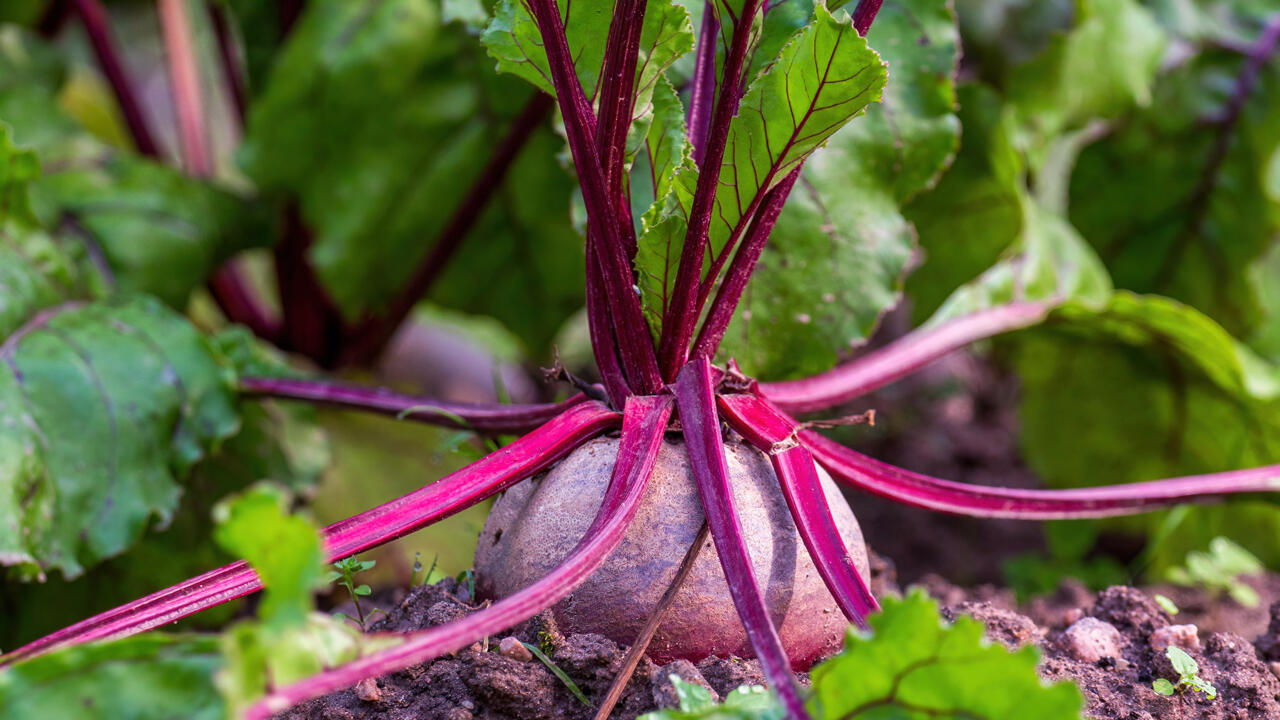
(535, 525)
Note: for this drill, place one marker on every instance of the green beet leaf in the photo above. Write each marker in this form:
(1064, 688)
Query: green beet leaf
(148, 677)
(103, 407)
(1104, 65)
(836, 258)
(913, 666)
(824, 77)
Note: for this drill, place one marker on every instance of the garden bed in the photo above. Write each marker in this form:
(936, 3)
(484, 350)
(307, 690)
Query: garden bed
(1109, 643)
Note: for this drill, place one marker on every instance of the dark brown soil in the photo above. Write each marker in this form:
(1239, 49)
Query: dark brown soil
(1103, 642)
(483, 683)
(1111, 645)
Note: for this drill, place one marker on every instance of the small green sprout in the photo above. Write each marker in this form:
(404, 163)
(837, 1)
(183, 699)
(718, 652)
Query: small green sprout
(1166, 604)
(1188, 676)
(555, 670)
(468, 577)
(417, 570)
(344, 573)
(1219, 571)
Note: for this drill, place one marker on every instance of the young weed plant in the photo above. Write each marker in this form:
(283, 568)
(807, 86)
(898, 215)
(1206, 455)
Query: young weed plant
(1188, 676)
(749, 198)
(344, 574)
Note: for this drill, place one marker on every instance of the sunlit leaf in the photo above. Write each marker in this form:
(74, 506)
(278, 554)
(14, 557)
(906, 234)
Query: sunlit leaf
(836, 258)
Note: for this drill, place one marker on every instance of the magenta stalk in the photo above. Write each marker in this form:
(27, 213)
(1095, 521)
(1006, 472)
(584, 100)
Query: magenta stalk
(451, 494)
(695, 398)
(481, 417)
(98, 28)
(859, 471)
(636, 348)
(774, 434)
(644, 423)
(899, 358)
(703, 97)
(681, 314)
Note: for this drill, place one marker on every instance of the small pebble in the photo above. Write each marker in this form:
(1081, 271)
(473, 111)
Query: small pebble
(1275, 669)
(1090, 640)
(368, 690)
(1186, 637)
(1071, 616)
(514, 649)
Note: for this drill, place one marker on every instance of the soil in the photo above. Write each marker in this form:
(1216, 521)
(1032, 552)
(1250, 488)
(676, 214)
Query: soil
(485, 683)
(1109, 643)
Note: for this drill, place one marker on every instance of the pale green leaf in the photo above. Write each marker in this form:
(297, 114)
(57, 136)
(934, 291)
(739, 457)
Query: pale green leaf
(913, 666)
(1104, 65)
(285, 550)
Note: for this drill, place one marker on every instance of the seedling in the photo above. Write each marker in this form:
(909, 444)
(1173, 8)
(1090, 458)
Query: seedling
(344, 574)
(426, 579)
(1166, 604)
(1188, 676)
(555, 670)
(1219, 571)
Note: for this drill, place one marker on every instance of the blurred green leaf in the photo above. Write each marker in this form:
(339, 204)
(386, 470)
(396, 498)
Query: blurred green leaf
(103, 407)
(975, 212)
(1101, 67)
(146, 227)
(1150, 389)
(147, 677)
(1177, 198)
(376, 101)
(285, 550)
(287, 642)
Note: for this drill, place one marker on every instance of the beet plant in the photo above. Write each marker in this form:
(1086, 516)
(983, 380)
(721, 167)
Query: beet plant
(704, 189)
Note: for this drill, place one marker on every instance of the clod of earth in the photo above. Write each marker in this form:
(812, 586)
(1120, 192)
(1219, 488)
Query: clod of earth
(535, 525)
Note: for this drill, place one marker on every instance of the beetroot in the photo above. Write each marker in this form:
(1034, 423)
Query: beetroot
(535, 525)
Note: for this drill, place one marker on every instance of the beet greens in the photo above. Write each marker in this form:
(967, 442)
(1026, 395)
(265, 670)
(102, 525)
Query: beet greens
(680, 210)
